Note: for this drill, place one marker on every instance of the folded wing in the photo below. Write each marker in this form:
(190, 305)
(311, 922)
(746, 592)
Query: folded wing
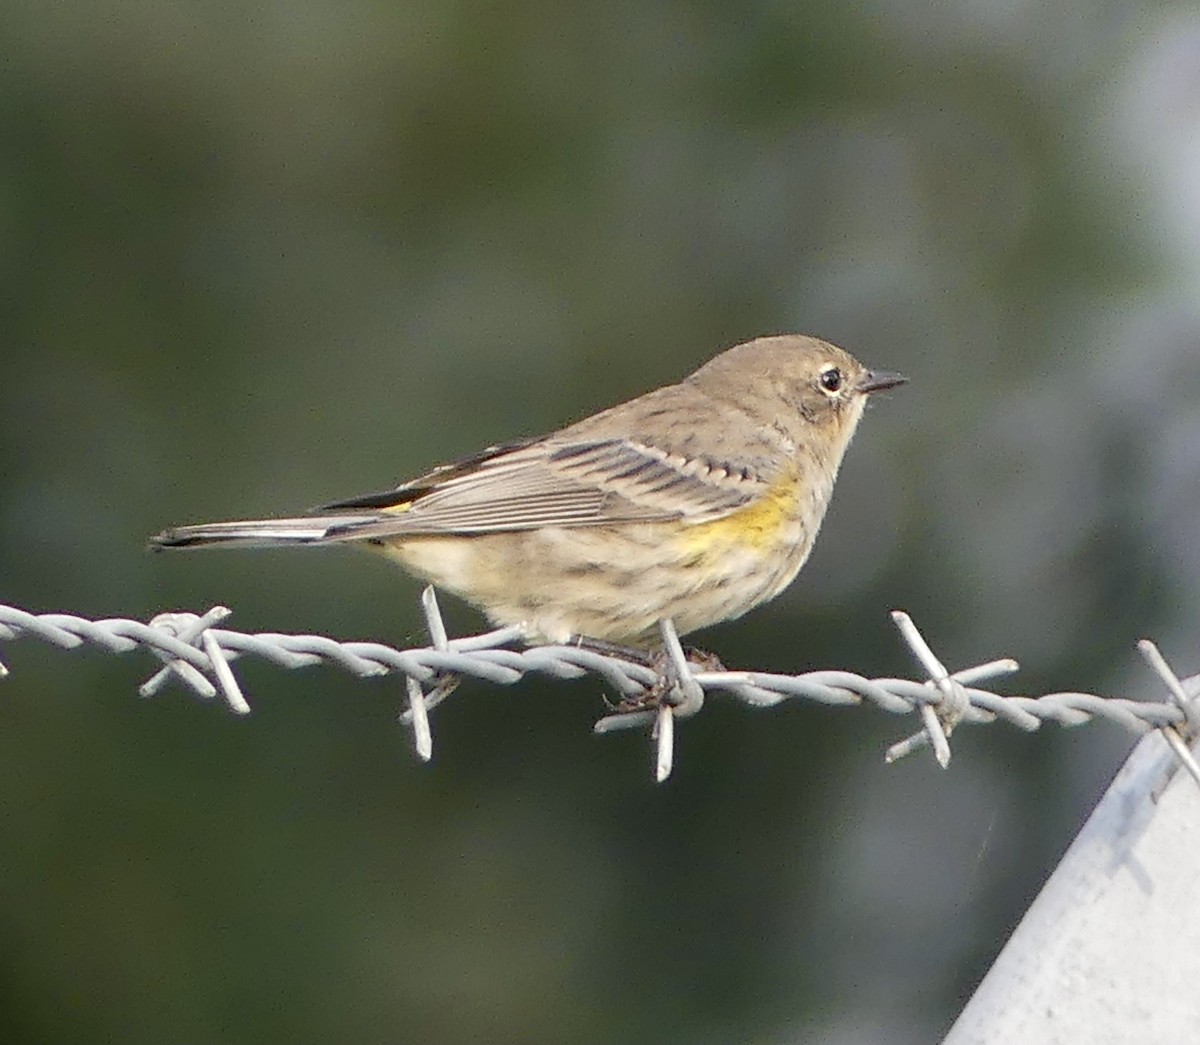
(552, 483)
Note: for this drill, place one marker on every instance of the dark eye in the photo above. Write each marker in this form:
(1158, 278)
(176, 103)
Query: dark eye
(831, 379)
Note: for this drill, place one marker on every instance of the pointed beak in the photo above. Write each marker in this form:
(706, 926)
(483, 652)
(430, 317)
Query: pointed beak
(878, 380)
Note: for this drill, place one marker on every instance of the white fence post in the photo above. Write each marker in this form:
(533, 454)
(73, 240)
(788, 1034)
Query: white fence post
(1109, 952)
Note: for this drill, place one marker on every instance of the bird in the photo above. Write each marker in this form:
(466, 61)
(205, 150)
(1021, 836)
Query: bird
(696, 502)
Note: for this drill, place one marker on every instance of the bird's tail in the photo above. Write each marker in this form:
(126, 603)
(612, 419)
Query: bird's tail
(266, 533)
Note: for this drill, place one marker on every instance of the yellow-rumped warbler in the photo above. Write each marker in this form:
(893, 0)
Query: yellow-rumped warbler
(697, 502)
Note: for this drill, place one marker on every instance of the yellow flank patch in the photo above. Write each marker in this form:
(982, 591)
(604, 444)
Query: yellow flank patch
(396, 509)
(762, 524)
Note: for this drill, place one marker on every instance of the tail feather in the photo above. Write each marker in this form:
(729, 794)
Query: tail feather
(265, 533)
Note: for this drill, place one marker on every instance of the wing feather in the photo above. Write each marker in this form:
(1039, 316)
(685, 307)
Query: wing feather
(548, 482)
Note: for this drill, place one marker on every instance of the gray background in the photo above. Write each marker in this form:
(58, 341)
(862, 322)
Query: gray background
(260, 256)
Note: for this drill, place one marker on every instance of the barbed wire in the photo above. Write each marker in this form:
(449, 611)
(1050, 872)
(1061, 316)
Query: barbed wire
(653, 692)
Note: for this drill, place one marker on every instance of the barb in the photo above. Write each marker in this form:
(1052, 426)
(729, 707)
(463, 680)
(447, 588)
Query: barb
(1180, 735)
(684, 698)
(939, 723)
(199, 654)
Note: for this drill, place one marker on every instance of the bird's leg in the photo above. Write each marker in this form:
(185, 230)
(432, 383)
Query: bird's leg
(658, 661)
(614, 649)
(633, 654)
(444, 684)
(702, 659)
(668, 675)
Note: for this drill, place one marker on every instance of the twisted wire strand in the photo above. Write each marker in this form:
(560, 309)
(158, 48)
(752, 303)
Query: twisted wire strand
(196, 652)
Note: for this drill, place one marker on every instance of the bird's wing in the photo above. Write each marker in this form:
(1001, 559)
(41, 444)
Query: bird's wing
(556, 482)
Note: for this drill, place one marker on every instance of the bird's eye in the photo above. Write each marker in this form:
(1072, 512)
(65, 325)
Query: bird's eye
(831, 379)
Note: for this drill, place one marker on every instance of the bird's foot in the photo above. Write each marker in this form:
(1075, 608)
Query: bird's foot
(667, 680)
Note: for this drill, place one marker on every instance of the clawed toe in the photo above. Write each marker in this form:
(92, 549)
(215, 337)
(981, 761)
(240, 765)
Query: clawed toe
(667, 679)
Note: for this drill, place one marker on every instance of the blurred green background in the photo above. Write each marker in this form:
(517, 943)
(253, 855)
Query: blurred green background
(259, 256)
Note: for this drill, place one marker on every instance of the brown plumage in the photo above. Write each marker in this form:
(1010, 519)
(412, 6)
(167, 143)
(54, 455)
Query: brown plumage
(696, 501)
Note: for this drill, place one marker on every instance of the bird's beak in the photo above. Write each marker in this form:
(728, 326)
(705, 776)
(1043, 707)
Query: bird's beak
(878, 380)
